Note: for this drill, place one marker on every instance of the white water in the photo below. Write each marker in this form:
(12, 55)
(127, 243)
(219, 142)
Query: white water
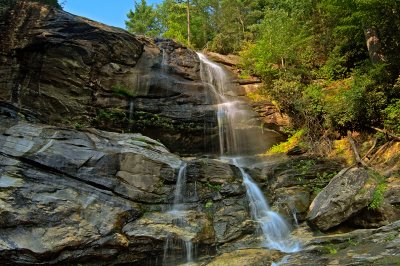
(213, 75)
(178, 211)
(178, 203)
(232, 141)
(275, 229)
(238, 129)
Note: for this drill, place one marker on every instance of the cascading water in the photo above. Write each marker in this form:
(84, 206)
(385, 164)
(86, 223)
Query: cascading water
(275, 229)
(234, 141)
(178, 213)
(237, 131)
(179, 189)
(215, 77)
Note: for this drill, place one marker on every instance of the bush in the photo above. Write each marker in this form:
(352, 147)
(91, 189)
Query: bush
(391, 116)
(284, 147)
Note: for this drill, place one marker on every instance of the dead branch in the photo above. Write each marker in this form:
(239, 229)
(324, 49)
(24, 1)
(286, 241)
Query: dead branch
(371, 149)
(355, 152)
(384, 146)
(384, 131)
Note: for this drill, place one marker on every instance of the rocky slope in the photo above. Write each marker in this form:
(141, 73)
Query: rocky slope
(67, 69)
(81, 196)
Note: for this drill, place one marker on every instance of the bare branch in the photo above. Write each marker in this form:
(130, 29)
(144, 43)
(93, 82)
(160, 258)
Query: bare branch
(355, 152)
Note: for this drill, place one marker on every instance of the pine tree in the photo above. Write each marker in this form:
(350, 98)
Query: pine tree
(143, 20)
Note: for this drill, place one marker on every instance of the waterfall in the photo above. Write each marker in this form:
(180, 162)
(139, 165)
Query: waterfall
(275, 229)
(180, 189)
(178, 213)
(214, 76)
(238, 131)
(235, 140)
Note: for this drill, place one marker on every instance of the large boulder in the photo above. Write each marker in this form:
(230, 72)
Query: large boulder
(350, 191)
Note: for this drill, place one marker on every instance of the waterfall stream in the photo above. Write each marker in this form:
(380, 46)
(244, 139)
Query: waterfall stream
(275, 229)
(235, 142)
(238, 136)
(178, 212)
(178, 204)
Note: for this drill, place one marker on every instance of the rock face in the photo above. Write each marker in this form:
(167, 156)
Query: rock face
(67, 69)
(81, 196)
(360, 247)
(60, 190)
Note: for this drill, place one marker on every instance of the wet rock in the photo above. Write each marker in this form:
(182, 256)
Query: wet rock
(212, 171)
(231, 220)
(290, 184)
(293, 202)
(93, 187)
(272, 117)
(360, 247)
(248, 257)
(392, 191)
(348, 192)
(158, 233)
(187, 225)
(50, 216)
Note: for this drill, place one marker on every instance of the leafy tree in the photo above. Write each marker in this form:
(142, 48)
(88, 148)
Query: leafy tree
(143, 20)
(173, 17)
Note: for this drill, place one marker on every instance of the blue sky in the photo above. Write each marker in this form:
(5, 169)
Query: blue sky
(110, 12)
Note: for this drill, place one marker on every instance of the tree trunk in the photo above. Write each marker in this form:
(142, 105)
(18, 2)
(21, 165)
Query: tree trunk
(374, 45)
(188, 21)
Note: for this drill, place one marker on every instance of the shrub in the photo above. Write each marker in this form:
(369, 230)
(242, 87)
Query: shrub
(391, 116)
(293, 141)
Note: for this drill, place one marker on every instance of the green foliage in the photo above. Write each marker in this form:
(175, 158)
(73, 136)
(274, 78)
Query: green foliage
(352, 242)
(143, 20)
(209, 204)
(144, 120)
(391, 116)
(378, 196)
(331, 249)
(172, 15)
(78, 126)
(216, 187)
(391, 237)
(321, 181)
(110, 115)
(122, 91)
(283, 147)
(304, 166)
(314, 59)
